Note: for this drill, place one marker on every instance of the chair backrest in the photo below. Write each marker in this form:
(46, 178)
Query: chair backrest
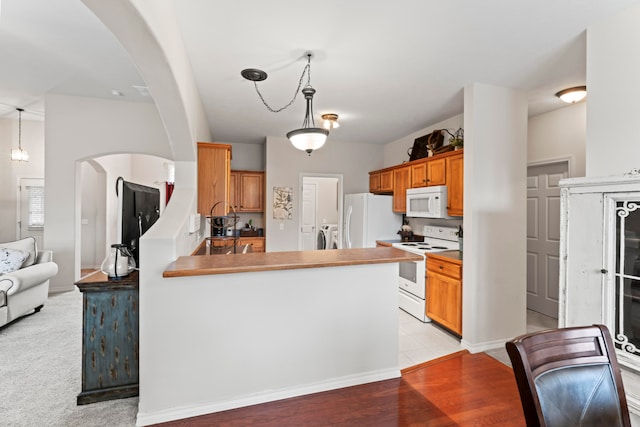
(569, 377)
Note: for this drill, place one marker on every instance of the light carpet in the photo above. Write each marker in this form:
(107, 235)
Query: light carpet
(41, 371)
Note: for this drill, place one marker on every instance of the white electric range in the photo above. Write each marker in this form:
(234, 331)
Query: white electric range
(411, 280)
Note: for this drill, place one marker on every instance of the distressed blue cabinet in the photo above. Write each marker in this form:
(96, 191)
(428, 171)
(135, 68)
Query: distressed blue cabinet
(110, 345)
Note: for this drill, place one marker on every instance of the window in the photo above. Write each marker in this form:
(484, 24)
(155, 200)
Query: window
(36, 206)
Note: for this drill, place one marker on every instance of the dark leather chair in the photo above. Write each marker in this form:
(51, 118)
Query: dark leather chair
(569, 377)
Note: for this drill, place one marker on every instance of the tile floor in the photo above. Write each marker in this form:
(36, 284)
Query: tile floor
(420, 342)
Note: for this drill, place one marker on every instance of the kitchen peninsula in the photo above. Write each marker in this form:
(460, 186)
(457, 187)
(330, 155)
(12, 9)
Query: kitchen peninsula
(249, 328)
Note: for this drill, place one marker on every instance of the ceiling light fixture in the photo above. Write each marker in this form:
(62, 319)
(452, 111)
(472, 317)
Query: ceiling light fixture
(308, 137)
(573, 94)
(18, 154)
(330, 121)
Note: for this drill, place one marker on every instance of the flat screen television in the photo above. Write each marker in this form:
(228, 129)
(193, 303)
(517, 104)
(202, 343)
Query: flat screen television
(140, 210)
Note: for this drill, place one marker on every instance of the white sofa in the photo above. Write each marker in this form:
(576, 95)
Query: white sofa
(26, 289)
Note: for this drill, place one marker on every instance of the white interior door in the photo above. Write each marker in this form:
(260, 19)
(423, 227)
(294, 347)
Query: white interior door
(543, 236)
(31, 215)
(308, 234)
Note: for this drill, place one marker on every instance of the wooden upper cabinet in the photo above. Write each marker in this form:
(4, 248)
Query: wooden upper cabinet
(436, 172)
(419, 175)
(455, 185)
(442, 169)
(401, 181)
(381, 182)
(247, 191)
(214, 170)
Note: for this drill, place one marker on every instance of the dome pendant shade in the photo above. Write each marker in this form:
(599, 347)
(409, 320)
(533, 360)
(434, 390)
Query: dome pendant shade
(308, 137)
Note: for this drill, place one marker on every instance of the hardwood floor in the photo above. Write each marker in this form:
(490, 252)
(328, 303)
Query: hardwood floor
(459, 389)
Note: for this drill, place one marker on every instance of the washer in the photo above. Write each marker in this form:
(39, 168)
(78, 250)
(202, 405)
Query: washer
(324, 235)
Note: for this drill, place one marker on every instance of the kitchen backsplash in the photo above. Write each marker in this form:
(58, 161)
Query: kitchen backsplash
(417, 224)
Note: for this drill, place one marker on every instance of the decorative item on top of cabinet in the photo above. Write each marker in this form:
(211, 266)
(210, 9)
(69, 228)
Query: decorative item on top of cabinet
(444, 291)
(455, 183)
(214, 170)
(247, 191)
(401, 181)
(381, 182)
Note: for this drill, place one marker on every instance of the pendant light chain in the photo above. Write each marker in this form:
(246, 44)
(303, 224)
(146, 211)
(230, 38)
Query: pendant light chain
(20, 110)
(307, 70)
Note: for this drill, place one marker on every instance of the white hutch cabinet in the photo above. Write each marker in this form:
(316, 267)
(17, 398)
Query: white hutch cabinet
(600, 264)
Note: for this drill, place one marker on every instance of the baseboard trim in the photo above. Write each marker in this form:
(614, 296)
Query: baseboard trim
(177, 413)
(483, 346)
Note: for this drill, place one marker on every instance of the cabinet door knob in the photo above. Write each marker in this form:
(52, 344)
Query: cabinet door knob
(604, 271)
(441, 267)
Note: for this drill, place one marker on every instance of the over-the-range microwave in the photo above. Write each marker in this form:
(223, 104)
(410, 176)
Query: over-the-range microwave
(427, 202)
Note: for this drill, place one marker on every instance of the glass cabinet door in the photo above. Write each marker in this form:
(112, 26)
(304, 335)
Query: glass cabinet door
(625, 248)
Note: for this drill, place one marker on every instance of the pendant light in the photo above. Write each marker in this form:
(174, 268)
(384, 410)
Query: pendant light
(308, 137)
(18, 154)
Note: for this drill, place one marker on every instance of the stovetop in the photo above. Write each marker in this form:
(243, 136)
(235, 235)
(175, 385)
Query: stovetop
(437, 239)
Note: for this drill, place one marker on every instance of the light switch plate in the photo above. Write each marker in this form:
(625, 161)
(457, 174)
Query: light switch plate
(194, 222)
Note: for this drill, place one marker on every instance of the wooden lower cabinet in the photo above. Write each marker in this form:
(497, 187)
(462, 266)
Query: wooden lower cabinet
(444, 292)
(257, 243)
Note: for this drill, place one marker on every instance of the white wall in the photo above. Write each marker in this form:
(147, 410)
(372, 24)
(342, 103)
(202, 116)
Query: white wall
(10, 171)
(100, 209)
(613, 67)
(559, 134)
(93, 213)
(247, 156)
(284, 165)
(82, 128)
(494, 267)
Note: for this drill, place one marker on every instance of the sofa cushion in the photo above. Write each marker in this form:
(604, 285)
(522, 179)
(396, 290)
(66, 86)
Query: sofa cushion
(28, 245)
(11, 259)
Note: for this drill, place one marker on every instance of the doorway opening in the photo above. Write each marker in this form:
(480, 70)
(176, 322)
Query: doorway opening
(320, 211)
(543, 234)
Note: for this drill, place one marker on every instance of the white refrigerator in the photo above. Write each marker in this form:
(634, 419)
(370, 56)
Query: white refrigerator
(368, 217)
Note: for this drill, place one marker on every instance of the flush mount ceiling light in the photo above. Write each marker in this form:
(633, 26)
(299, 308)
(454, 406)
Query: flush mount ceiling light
(308, 137)
(573, 94)
(330, 121)
(18, 154)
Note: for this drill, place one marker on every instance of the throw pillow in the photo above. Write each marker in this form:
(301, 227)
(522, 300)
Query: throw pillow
(11, 259)
(28, 245)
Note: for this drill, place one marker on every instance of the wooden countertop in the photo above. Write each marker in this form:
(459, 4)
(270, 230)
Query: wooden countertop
(252, 262)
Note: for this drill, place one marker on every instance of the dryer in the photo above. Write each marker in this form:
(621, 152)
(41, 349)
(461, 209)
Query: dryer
(324, 235)
(333, 243)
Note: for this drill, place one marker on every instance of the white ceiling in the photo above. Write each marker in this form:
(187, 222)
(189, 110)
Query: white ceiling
(387, 68)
